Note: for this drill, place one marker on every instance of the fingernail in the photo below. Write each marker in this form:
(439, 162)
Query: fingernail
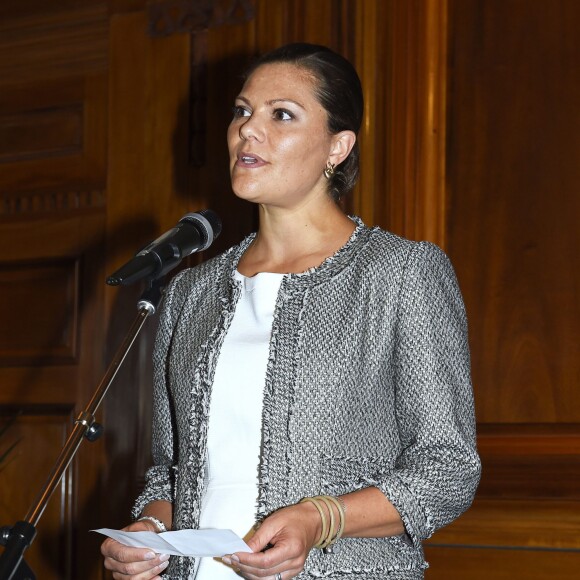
(227, 560)
(163, 565)
(150, 555)
(164, 557)
(235, 558)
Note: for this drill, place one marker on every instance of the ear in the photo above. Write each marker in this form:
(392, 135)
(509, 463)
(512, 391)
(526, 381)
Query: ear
(342, 144)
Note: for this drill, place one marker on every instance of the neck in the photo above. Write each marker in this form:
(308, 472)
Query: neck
(295, 240)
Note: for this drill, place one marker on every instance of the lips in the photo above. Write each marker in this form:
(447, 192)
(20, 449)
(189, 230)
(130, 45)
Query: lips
(249, 160)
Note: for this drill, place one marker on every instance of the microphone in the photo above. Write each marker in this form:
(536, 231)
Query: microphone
(193, 233)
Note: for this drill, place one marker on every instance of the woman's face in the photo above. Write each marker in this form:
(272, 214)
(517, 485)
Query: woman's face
(278, 140)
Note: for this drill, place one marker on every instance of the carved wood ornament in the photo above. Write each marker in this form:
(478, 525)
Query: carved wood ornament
(179, 16)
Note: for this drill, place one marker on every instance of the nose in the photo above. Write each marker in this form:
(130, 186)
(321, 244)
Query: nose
(251, 129)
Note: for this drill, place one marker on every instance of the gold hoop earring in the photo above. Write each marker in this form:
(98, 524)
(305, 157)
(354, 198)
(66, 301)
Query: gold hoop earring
(329, 170)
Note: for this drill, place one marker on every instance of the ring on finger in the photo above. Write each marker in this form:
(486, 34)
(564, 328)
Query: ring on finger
(278, 576)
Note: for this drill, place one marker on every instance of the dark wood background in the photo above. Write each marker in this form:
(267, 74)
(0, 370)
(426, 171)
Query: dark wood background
(112, 126)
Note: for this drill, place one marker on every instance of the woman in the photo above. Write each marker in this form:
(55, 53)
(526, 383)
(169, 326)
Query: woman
(318, 359)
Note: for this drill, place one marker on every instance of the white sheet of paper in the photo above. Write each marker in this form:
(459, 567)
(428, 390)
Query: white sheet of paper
(198, 543)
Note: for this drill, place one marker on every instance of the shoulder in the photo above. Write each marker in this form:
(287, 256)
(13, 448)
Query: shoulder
(385, 248)
(389, 259)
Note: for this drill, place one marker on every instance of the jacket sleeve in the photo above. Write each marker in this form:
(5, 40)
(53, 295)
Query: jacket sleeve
(160, 478)
(438, 470)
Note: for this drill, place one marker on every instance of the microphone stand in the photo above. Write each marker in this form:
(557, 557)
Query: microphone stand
(17, 538)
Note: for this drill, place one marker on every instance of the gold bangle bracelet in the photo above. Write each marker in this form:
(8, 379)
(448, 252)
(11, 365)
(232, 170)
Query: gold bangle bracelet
(329, 537)
(322, 517)
(341, 516)
(340, 500)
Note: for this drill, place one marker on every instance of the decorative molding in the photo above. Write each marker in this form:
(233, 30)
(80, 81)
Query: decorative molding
(167, 17)
(533, 523)
(525, 461)
(23, 204)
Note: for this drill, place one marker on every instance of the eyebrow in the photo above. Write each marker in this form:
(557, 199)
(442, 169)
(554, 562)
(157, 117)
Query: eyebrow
(274, 101)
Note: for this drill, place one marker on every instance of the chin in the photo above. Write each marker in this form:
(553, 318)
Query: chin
(246, 191)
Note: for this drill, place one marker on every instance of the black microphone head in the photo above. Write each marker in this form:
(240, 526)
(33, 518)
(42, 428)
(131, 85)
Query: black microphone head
(194, 233)
(208, 224)
(214, 220)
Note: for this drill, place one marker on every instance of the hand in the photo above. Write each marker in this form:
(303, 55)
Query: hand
(289, 534)
(133, 563)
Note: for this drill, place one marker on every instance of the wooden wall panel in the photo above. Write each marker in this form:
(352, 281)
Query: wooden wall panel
(372, 63)
(229, 51)
(401, 55)
(513, 209)
(30, 331)
(522, 524)
(40, 40)
(51, 358)
(530, 460)
(53, 135)
(282, 21)
(52, 176)
(37, 433)
(515, 204)
(400, 51)
(41, 133)
(483, 564)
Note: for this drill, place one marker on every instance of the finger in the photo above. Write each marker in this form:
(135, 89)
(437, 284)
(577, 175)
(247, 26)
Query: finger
(268, 566)
(117, 551)
(261, 568)
(283, 552)
(138, 570)
(152, 574)
(261, 538)
(270, 575)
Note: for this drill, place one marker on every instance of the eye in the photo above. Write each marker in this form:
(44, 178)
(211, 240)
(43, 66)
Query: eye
(283, 115)
(240, 111)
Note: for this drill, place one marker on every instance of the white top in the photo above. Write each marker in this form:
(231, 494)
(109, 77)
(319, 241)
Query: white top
(235, 418)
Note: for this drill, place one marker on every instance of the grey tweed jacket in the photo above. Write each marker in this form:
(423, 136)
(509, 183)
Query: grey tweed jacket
(368, 384)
